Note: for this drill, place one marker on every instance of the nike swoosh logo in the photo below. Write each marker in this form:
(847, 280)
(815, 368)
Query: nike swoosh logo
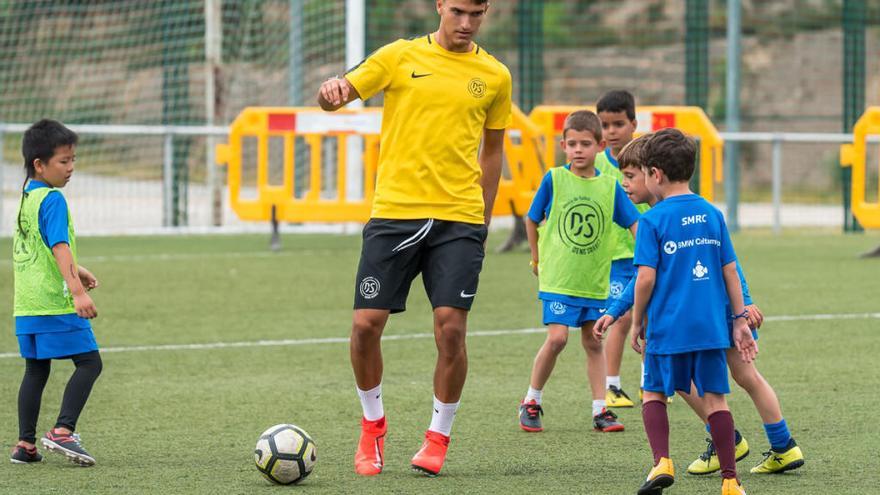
(416, 76)
(467, 295)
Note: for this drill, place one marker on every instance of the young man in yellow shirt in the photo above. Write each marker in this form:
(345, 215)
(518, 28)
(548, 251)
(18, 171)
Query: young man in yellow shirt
(436, 185)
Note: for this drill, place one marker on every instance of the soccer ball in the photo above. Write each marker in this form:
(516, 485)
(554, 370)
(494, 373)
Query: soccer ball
(285, 454)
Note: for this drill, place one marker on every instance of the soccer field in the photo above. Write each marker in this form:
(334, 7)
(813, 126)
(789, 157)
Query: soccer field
(170, 417)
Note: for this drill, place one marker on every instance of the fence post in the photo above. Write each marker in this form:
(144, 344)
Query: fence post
(2, 168)
(696, 40)
(213, 57)
(731, 151)
(777, 185)
(854, 14)
(355, 51)
(168, 180)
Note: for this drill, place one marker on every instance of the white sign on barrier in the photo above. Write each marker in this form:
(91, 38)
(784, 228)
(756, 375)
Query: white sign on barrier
(322, 122)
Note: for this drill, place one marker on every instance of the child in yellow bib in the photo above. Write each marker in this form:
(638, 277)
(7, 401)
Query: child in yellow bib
(571, 255)
(52, 304)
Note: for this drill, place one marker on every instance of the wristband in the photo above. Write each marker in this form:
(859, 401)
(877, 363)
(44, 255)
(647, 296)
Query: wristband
(744, 314)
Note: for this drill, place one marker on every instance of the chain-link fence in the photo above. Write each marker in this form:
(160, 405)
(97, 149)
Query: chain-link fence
(807, 65)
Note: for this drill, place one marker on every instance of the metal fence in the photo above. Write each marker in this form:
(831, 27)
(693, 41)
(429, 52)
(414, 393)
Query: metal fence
(806, 66)
(141, 199)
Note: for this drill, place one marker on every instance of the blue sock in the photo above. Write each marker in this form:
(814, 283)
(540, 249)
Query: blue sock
(778, 435)
(708, 430)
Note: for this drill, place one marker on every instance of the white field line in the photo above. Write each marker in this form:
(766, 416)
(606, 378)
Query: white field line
(125, 258)
(412, 336)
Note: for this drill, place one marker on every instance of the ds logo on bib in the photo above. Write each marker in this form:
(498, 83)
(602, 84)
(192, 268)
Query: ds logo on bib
(369, 287)
(582, 225)
(700, 271)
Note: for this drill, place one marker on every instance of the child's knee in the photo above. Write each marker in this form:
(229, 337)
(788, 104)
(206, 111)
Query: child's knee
(556, 342)
(590, 343)
(747, 377)
(90, 362)
(714, 403)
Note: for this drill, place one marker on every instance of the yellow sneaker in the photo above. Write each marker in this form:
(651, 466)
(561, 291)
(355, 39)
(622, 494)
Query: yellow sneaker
(732, 486)
(616, 397)
(778, 462)
(669, 399)
(708, 462)
(661, 476)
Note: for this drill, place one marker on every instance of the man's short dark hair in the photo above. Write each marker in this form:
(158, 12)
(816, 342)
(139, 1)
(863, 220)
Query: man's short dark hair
(672, 152)
(619, 100)
(583, 120)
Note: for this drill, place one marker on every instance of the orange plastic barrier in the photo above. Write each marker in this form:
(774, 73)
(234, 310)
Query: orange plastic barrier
(690, 120)
(856, 156)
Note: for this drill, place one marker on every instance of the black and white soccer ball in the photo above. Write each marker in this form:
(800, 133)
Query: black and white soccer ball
(285, 454)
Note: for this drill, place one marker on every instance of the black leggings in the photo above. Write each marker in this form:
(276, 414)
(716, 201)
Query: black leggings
(36, 374)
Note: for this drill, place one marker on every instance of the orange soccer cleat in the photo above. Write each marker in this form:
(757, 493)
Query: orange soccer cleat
(370, 456)
(429, 459)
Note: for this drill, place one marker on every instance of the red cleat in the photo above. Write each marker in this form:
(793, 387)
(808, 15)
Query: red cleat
(370, 456)
(429, 459)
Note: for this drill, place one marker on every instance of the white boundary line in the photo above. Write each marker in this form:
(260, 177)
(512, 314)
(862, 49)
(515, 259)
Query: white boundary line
(412, 336)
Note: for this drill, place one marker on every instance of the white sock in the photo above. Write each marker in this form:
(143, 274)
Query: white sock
(443, 416)
(371, 402)
(612, 380)
(642, 380)
(533, 394)
(598, 406)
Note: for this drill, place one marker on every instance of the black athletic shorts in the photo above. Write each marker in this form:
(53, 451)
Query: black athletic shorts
(449, 255)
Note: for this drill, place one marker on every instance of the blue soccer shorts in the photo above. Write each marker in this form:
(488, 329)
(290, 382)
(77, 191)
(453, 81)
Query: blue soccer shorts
(559, 313)
(666, 373)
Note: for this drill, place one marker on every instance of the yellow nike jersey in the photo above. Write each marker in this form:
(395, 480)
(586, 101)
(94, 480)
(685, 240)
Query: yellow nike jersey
(437, 104)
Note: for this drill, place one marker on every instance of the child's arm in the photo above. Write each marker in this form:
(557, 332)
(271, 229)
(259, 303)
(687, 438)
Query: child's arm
(620, 306)
(742, 335)
(532, 235)
(538, 210)
(88, 280)
(756, 317)
(84, 305)
(643, 289)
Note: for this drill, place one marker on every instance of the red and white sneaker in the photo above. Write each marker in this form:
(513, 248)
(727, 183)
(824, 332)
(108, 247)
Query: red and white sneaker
(69, 445)
(370, 456)
(429, 459)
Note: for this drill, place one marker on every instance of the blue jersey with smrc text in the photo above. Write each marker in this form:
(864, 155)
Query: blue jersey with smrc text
(685, 239)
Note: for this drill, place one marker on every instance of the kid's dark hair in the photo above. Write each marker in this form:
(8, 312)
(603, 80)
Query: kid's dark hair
(619, 100)
(39, 143)
(583, 120)
(631, 154)
(672, 152)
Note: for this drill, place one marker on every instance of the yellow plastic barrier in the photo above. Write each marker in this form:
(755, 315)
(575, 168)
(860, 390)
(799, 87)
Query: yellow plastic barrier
(522, 175)
(530, 147)
(523, 148)
(856, 156)
(690, 120)
(314, 126)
